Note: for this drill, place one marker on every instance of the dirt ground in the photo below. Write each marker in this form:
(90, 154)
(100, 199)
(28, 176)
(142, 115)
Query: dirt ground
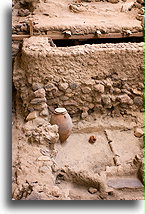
(83, 18)
(112, 167)
(109, 169)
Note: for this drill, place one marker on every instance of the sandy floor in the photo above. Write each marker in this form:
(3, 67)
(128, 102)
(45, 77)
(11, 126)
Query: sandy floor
(75, 166)
(91, 16)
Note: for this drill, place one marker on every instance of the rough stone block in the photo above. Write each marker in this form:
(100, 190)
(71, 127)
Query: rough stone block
(63, 86)
(40, 93)
(138, 132)
(38, 101)
(32, 115)
(124, 99)
(86, 90)
(99, 88)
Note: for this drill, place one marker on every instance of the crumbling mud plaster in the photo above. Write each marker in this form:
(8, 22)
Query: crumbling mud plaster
(101, 78)
(100, 85)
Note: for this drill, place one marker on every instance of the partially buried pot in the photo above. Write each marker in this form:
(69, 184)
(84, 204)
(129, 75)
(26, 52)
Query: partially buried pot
(64, 122)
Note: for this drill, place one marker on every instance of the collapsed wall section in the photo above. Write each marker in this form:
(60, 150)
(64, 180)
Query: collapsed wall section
(102, 78)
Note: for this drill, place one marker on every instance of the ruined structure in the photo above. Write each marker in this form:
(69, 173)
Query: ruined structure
(87, 57)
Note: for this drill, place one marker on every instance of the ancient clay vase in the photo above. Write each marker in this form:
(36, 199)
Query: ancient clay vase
(64, 122)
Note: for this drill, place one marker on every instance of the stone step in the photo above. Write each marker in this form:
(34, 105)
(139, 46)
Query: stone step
(124, 182)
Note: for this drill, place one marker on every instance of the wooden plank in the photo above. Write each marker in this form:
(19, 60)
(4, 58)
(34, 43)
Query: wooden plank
(19, 37)
(31, 27)
(60, 36)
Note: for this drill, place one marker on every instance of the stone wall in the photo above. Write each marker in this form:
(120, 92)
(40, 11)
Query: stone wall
(105, 78)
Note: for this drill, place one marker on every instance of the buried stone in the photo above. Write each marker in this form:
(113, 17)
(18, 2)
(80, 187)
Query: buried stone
(38, 100)
(99, 88)
(32, 115)
(138, 132)
(92, 190)
(138, 101)
(40, 93)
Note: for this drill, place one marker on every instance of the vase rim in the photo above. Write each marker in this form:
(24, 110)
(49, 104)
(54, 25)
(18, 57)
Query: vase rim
(60, 111)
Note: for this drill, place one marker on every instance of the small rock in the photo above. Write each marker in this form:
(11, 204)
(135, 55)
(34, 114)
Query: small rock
(117, 90)
(86, 90)
(69, 91)
(50, 41)
(125, 91)
(108, 83)
(23, 12)
(56, 192)
(32, 115)
(36, 86)
(74, 86)
(54, 168)
(87, 98)
(141, 11)
(106, 101)
(40, 93)
(74, 8)
(98, 98)
(44, 113)
(50, 86)
(56, 93)
(138, 101)
(99, 88)
(40, 106)
(44, 152)
(113, 1)
(124, 99)
(63, 86)
(84, 115)
(138, 132)
(140, 17)
(15, 48)
(36, 196)
(92, 190)
(91, 106)
(64, 98)
(141, 85)
(37, 101)
(24, 28)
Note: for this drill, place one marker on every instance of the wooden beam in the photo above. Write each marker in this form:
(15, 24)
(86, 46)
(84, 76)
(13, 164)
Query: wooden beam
(31, 27)
(19, 37)
(56, 35)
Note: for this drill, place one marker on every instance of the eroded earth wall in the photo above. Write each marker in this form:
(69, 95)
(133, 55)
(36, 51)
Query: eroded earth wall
(105, 78)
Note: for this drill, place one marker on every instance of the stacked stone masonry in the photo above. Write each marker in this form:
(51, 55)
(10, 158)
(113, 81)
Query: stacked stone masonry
(105, 78)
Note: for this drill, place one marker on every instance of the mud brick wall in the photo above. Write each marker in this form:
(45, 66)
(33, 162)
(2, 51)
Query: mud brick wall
(105, 78)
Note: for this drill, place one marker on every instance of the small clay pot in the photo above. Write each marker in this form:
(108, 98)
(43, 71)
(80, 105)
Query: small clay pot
(92, 139)
(64, 122)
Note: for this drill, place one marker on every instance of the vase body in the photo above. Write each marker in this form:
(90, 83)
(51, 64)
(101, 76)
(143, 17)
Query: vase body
(64, 122)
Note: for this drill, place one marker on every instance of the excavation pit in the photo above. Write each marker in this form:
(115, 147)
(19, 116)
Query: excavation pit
(88, 59)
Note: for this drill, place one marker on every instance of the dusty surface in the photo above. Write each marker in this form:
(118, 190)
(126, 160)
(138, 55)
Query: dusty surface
(109, 169)
(100, 85)
(82, 79)
(87, 17)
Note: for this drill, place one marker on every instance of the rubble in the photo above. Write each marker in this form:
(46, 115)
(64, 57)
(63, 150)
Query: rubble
(63, 58)
(138, 132)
